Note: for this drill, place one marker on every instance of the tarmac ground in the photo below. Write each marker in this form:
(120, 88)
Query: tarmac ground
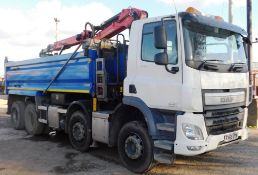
(23, 154)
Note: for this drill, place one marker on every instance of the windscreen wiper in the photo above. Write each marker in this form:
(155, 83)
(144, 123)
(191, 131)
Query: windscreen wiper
(235, 67)
(206, 61)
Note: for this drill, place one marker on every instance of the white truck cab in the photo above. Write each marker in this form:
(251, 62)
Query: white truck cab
(203, 84)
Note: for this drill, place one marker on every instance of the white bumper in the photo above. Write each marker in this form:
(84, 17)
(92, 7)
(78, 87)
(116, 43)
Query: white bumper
(209, 143)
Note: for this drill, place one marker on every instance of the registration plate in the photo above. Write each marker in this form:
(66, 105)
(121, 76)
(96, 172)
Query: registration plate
(230, 137)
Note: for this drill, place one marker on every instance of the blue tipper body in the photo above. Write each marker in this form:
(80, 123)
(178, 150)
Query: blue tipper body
(31, 77)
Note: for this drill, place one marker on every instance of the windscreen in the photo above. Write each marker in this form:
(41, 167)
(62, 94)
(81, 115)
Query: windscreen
(204, 42)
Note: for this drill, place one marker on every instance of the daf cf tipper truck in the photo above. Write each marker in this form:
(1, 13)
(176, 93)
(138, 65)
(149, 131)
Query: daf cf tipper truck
(179, 86)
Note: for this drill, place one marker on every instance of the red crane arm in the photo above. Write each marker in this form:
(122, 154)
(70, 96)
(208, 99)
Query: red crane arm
(68, 42)
(121, 22)
(107, 30)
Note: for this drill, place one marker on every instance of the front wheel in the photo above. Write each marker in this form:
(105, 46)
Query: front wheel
(135, 147)
(79, 131)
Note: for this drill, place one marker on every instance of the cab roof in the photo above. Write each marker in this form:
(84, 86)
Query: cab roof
(206, 20)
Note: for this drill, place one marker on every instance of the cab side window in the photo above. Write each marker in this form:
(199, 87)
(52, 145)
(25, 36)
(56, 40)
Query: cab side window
(148, 48)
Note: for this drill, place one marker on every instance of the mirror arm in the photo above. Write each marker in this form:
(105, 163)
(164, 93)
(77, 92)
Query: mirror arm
(167, 69)
(171, 70)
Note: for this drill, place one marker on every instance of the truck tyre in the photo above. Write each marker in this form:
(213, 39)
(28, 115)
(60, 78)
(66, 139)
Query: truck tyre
(17, 115)
(79, 131)
(135, 147)
(32, 124)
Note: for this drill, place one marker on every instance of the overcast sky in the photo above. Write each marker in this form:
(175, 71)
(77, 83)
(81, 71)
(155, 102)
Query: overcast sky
(27, 26)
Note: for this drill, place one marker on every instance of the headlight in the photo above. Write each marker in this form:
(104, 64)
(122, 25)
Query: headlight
(192, 132)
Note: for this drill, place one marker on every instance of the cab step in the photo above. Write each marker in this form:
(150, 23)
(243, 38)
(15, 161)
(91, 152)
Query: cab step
(163, 144)
(164, 158)
(166, 127)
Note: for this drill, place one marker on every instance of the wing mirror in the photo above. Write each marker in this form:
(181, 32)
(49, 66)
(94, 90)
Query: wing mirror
(160, 42)
(160, 37)
(161, 58)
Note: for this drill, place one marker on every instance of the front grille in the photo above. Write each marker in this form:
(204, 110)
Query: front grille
(224, 113)
(224, 121)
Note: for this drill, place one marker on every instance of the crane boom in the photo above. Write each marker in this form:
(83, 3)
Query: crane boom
(106, 30)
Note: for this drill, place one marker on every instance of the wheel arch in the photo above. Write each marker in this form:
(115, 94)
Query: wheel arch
(83, 105)
(123, 114)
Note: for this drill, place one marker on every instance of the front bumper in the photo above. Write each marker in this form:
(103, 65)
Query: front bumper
(209, 143)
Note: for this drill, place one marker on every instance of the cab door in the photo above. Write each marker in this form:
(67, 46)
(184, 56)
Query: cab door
(154, 84)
